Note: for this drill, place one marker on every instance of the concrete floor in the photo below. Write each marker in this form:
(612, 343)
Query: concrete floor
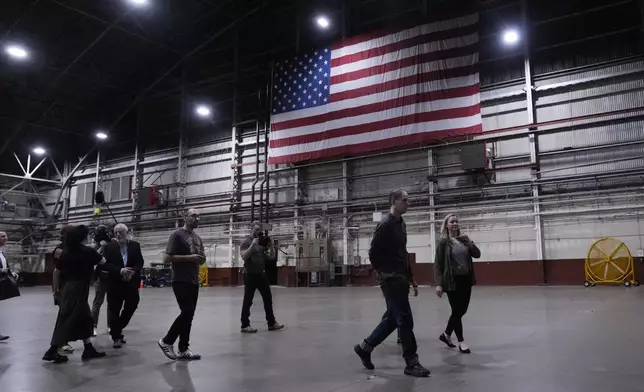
(523, 339)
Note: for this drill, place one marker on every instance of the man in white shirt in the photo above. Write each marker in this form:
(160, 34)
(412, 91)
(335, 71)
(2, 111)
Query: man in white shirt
(4, 265)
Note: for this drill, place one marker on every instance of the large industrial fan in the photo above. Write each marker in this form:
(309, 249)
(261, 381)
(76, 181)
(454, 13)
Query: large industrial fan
(609, 261)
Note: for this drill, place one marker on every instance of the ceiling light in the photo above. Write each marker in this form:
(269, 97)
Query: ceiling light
(16, 51)
(139, 2)
(323, 22)
(39, 151)
(101, 135)
(203, 111)
(510, 37)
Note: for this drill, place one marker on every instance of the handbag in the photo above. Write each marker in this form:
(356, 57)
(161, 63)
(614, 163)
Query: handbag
(8, 287)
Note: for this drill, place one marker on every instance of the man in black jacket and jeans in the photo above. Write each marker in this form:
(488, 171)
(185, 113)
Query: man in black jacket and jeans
(388, 255)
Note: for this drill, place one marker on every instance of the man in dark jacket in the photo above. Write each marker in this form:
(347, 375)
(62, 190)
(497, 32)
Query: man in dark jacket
(124, 262)
(388, 255)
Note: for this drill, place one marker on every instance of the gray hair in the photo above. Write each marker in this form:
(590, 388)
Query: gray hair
(191, 211)
(121, 226)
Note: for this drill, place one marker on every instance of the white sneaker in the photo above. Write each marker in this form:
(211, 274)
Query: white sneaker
(188, 355)
(168, 350)
(66, 349)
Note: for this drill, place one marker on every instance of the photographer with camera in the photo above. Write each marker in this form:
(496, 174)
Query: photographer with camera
(255, 251)
(102, 237)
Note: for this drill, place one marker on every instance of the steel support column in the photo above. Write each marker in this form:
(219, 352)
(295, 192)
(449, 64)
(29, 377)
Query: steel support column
(538, 224)
(431, 165)
(296, 211)
(532, 138)
(137, 178)
(345, 215)
(182, 163)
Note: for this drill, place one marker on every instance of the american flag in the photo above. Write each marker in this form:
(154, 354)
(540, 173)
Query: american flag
(380, 91)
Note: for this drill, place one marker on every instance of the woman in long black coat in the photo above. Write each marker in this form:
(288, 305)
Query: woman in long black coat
(76, 266)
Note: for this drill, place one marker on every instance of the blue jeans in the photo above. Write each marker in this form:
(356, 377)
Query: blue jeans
(397, 316)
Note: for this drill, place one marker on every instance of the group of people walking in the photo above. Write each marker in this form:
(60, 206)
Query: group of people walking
(76, 265)
(117, 265)
(453, 275)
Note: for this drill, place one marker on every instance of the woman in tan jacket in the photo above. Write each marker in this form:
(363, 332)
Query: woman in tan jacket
(454, 275)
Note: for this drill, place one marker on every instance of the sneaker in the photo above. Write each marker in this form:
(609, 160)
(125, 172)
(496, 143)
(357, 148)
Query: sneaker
(95, 333)
(118, 343)
(462, 347)
(398, 341)
(91, 353)
(168, 350)
(249, 329)
(3, 338)
(417, 370)
(447, 340)
(67, 349)
(54, 357)
(275, 327)
(188, 356)
(365, 357)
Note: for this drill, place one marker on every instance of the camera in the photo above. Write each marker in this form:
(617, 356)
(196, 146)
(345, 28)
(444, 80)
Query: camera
(102, 233)
(264, 240)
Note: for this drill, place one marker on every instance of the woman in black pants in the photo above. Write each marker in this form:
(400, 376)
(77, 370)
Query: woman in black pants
(454, 275)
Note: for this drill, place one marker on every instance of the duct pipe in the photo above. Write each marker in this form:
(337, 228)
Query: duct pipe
(267, 174)
(252, 195)
(263, 216)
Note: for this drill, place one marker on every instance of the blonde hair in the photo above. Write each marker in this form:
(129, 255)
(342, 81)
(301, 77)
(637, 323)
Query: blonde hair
(444, 231)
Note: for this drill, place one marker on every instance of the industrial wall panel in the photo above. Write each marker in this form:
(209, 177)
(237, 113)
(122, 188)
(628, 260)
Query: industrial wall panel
(571, 239)
(604, 71)
(496, 118)
(593, 136)
(590, 105)
(597, 161)
(512, 147)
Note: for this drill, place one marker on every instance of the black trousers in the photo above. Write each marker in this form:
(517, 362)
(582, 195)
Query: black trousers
(397, 316)
(459, 301)
(122, 301)
(186, 295)
(259, 282)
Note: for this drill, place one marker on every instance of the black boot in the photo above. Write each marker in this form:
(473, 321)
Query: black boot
(52, 356)
(90, 353)
(365, 357)
(417, 370)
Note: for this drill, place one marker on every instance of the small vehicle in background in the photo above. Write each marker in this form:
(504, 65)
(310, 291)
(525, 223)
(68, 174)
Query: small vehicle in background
(153, 277)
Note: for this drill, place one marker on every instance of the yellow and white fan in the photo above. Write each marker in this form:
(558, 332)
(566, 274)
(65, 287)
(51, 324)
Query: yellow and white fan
(609, 261)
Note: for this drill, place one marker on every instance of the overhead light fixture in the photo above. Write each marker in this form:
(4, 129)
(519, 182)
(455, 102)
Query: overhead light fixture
(139, 2)
(16, 52)
(101, 135)
(203, 111)
(39, 151)
(323, 22)
(510, 37)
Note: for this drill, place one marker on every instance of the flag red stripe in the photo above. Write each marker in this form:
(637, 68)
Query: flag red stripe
(378, 106)
(406, 81)
(378, 126)
(354, 149)
(403, 63)
(405, 44)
